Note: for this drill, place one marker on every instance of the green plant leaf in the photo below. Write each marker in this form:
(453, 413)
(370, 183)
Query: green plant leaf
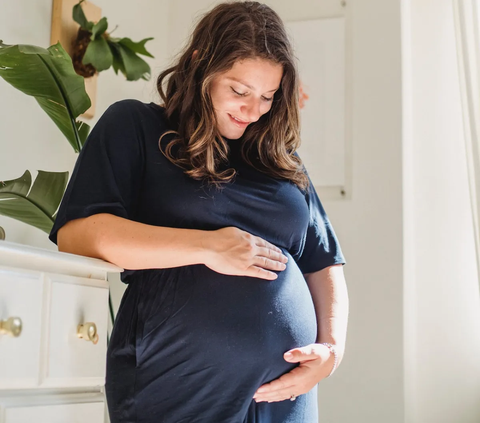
(35, 206)
(98, 54)
(138, 48)
(80, 18)
(117, 59)
(99, 28)
(48, 76)
(135, 67)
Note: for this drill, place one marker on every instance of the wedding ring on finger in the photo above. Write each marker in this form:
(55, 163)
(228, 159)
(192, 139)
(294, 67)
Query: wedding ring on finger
(293, 397)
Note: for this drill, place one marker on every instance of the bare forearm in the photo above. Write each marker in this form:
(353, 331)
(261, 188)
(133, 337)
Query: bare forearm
(330, 297)
(130, 244)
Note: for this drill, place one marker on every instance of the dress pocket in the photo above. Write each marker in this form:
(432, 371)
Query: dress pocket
(155, 304)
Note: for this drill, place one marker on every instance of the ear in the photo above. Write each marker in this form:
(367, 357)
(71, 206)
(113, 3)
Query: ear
(194, 54)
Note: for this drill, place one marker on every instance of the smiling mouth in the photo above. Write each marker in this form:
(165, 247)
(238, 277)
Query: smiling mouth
(238, 120)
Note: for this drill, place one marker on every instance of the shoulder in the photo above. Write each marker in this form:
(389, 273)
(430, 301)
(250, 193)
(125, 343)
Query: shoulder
(129, 104)
(128, 120)
(133, 109)
(129, 123)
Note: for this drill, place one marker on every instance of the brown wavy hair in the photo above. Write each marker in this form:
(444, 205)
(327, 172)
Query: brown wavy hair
(231, 32)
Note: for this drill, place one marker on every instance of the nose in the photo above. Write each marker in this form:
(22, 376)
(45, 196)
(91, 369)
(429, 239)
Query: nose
(251, 110)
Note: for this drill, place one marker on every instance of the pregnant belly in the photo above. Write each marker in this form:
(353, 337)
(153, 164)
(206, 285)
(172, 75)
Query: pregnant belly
(193, 321)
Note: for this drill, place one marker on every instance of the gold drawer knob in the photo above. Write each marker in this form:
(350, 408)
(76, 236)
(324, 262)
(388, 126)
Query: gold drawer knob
(12, 326)
(88, 331)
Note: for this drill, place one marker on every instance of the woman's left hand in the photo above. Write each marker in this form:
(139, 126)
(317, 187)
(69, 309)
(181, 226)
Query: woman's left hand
(316, 362)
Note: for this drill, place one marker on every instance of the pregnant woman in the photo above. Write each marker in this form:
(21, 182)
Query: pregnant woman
(236, 305)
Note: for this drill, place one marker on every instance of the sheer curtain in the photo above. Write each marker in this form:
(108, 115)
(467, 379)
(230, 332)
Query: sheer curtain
(467, 28)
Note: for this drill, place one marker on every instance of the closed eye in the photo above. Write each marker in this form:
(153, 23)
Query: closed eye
(240, 94)
(245, 94)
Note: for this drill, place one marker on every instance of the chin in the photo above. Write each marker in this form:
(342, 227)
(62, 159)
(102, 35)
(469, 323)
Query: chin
(232, 135)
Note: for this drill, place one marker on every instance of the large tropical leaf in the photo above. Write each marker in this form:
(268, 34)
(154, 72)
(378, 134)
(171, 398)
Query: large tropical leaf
(35, 205)
(48, 75)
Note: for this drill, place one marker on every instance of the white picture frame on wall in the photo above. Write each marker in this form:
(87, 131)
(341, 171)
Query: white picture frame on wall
(320, 48)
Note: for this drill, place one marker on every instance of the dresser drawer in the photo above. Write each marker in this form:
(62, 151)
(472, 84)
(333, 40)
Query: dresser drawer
(60, 413)
(21, 295)
(72, 361)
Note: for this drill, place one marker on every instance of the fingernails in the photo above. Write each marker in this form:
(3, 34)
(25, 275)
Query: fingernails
(288, 355)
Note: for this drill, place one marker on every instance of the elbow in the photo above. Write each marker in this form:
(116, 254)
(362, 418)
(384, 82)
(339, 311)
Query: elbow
(74, 238)
(62, 240)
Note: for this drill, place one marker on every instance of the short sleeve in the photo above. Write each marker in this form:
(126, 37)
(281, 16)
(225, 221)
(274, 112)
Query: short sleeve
(108, 172)
(321, 247)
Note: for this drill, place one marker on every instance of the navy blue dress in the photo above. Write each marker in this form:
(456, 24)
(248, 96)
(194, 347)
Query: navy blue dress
(190, 345)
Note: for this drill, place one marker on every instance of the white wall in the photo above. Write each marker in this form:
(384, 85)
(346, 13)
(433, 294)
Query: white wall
(442, 313)
(369, 386)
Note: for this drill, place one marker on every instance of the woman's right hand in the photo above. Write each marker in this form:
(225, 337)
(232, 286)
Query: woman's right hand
(232, 251)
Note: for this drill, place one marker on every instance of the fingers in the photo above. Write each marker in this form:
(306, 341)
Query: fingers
(258, 272)
(283, 382)
(267, 257)
(280, 389)
(262, 266)
(272, 254)
(268, 264)
(314, 366)
(307, 353)
(279, 395)
(262, 243)
(237, 252)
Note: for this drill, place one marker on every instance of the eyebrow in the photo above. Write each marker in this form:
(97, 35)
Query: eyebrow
(248, 86)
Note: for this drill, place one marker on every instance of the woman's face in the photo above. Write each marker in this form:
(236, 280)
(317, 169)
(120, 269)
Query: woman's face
(243, 94)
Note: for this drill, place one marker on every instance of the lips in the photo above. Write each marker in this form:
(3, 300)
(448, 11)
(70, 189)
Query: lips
(238, 122)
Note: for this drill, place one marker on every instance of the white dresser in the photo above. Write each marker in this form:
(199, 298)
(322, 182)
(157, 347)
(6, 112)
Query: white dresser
(57, 304)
